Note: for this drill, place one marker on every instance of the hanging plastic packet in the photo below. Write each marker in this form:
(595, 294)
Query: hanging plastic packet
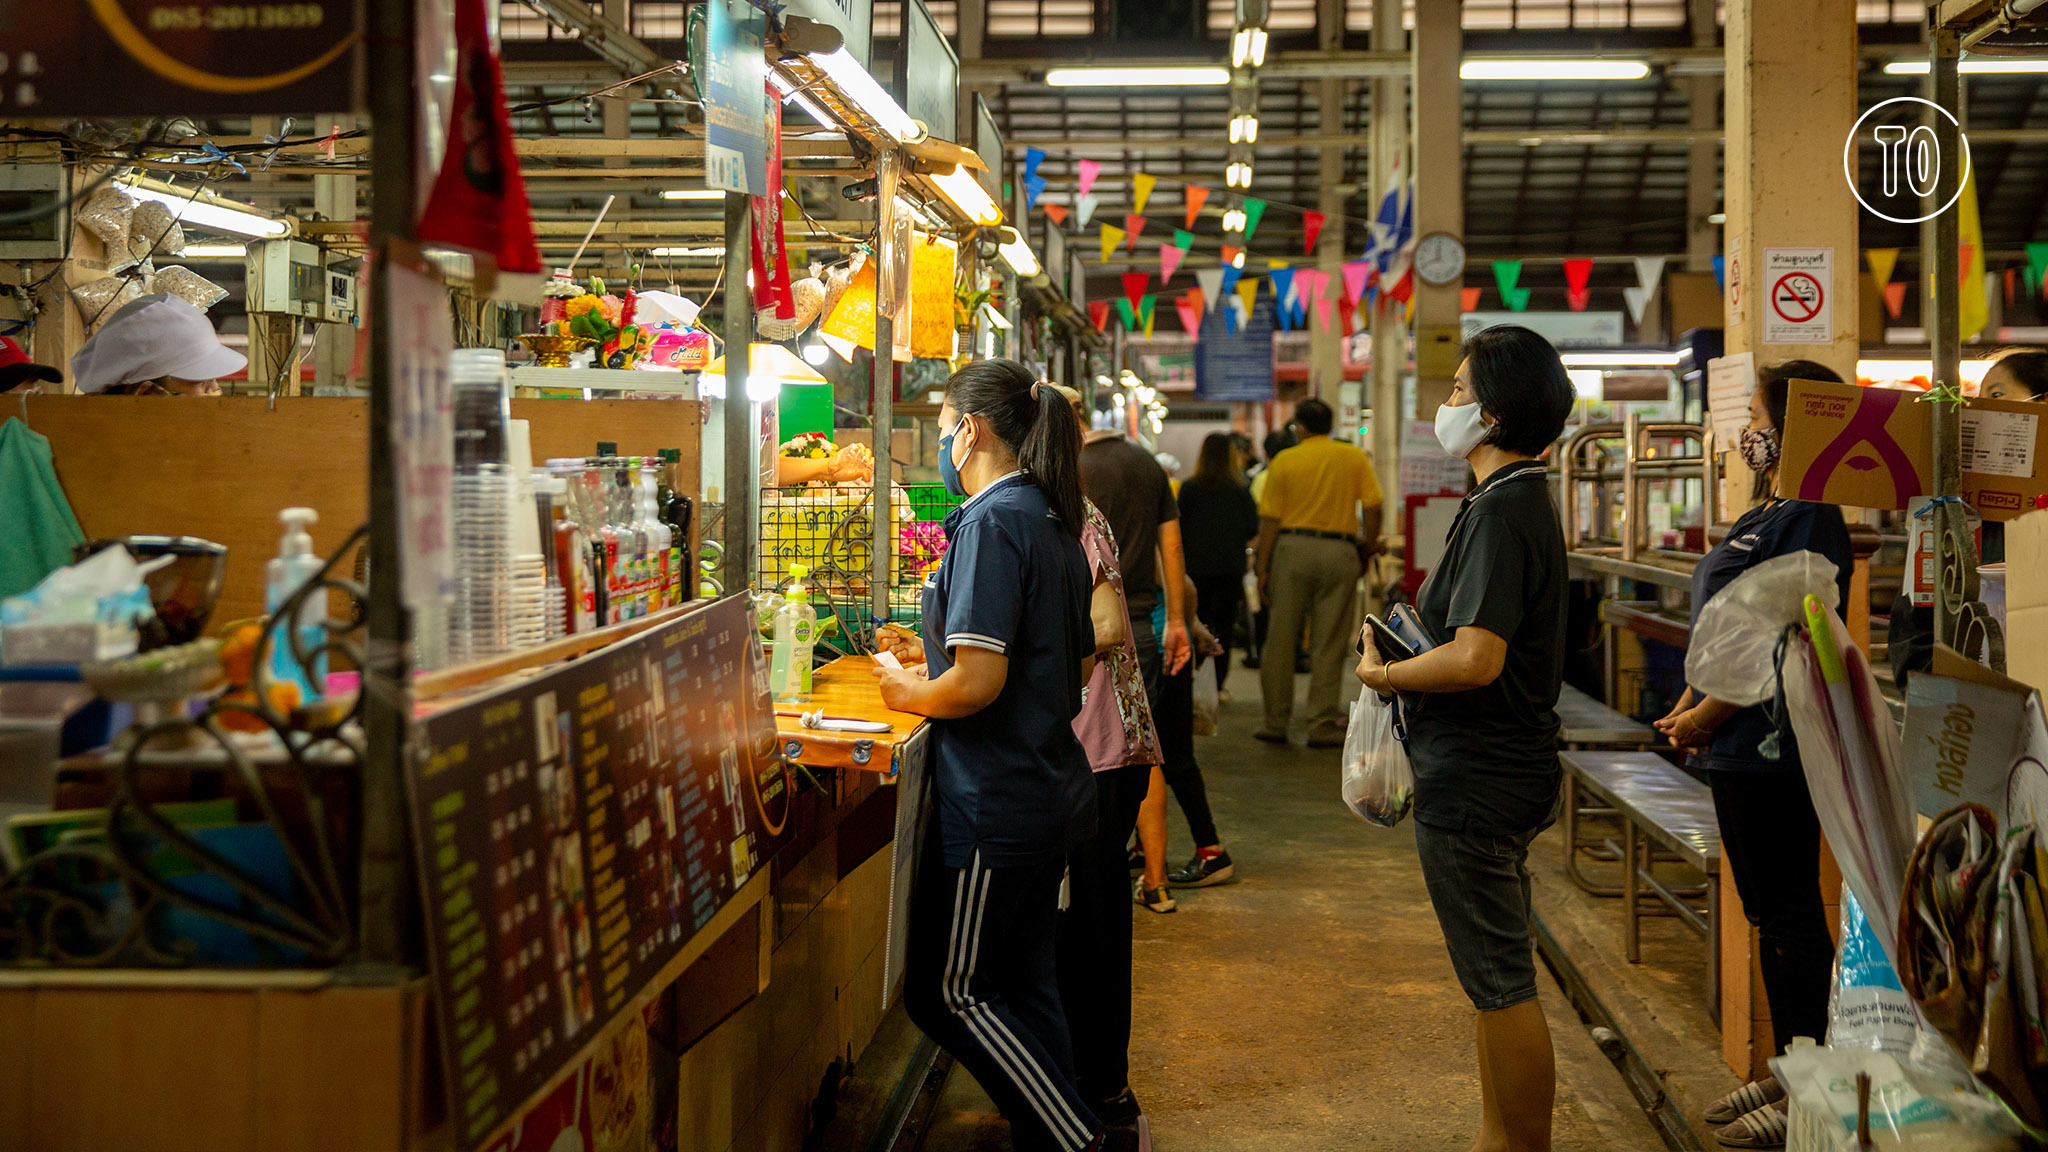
(153, 231)
(105, 215)
(188, 286)
(99, 299)
(1732, 655)
(1909, 1110)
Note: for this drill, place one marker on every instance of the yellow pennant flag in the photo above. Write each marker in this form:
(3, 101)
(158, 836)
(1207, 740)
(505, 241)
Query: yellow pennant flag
(1141, 190)
(1248, 291)
(1111, 237)
(1970, 298)
(1882, 261)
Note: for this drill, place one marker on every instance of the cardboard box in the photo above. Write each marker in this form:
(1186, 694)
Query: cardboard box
(2026, 600)
(1873, 448)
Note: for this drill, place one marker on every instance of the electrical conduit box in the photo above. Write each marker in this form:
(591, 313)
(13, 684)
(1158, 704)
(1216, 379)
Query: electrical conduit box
(292, 278)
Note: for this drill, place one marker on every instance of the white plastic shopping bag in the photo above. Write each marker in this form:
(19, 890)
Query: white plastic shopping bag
(1207, 699)
(1379, 785)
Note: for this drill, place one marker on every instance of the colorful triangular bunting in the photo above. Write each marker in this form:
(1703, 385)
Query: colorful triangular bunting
(1211, 281)
(1134, 285)
(1141, 190)
(1254, 211)
(1089, 170)
(1882, 261)
(1638, 299)
(2037, 266)
(1133, 224)
(1468, 299)
(1112, 238)
(1170, 257)
(1085, 204)
(1895, 298)
(1506, 274)
(1231, 273)
(1098, 313)
(1033, 157)
(1578, 273)
(1196, 197)
(1057, 212)
(1517, 298)
(1311, 227)
(1145, 313)
(1357, 274)
(1034, 186)
(1130, 315)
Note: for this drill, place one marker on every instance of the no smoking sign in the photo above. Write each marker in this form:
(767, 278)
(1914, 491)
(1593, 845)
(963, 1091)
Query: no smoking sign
(1797, 304)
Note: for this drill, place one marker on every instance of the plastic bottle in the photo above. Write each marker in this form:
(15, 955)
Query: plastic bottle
(796, 631)
(662, 540)
(632, 541)
(676, 512)
(551, 497)
(296, 563)
(587, 493)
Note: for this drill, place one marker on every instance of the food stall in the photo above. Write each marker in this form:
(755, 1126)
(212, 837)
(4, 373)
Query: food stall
(464, 816)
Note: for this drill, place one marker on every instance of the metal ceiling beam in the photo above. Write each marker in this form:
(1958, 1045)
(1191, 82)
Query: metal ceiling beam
(1527, 137)
(614, 44)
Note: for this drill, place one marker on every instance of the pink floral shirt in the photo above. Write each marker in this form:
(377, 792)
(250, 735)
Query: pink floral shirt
(1115, 725)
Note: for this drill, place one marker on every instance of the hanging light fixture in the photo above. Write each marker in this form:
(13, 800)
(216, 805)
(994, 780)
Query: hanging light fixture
(1234, 220)
(1244, 128)
(1248, 47)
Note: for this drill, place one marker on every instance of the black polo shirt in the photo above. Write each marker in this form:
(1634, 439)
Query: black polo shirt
(1486, 759)
(1012, 781)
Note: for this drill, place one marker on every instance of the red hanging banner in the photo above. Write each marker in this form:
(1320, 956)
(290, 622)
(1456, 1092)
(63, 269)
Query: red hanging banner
(1311, 227)
(478, 202)
(771, 253)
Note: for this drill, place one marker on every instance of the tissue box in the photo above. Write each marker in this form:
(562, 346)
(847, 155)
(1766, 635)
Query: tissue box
(26, 645)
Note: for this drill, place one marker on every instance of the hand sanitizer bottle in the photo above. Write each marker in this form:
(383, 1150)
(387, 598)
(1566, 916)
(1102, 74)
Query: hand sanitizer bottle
(296, 563)
(796, 631)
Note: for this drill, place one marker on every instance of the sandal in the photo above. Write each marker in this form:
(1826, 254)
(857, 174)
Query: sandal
(1764, 1128)
(1744, 1100)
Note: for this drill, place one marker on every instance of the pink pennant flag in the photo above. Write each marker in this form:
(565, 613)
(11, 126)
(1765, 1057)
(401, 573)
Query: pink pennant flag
(1469, 299)
(1318, 283)
(1311, 227)
(1190, 315)
(1326, 312)
(1089, 170)
(1133, 224)
(1169, 259)
(1578, 298)
(1578, 273)
(1356, 274)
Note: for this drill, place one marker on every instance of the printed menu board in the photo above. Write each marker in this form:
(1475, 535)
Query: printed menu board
(574, 831)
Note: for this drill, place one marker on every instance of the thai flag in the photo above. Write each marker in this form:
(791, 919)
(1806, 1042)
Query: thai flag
(1392, 243)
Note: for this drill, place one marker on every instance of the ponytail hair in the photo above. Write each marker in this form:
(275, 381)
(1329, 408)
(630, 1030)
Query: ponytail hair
(1035, 422)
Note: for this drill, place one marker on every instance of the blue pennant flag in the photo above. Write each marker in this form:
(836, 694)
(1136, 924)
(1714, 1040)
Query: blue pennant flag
(1033, 185)
(1721, 273)
(1033, 157)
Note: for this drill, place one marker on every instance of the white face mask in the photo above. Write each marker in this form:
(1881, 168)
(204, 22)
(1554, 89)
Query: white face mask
(1460, 429)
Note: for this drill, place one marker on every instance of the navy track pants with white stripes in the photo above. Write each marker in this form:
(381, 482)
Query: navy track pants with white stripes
(981, 980)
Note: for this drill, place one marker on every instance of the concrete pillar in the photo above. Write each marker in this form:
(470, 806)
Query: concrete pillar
(1703, 156)
(1389, 327)
(973, 29)
(1791, 101)
(334, 345)
(1326, 348)
(1439, 190)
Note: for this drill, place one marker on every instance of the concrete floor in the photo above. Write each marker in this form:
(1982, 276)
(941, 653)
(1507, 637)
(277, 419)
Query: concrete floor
(1311, 1005)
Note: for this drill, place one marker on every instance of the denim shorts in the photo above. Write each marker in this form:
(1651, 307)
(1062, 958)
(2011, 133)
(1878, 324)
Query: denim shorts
(1480, 888)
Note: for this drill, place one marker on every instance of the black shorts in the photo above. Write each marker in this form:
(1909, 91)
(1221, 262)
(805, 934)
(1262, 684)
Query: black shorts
(1479, 886)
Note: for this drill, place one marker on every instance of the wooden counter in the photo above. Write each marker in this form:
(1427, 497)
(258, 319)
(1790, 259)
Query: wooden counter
(846, 687)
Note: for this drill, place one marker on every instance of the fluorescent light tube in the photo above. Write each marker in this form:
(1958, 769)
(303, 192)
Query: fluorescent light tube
(1649, 359)
(1584, 69)
(1234, 220)
(213, 252)
(1248, 46)
(1976, 66)
(1018, 255)
(967, 194)
(1137, 77)
(693, 194)
(690, 252)
(1244, 129)
(214, 215)
(995, 319)
(859, 87)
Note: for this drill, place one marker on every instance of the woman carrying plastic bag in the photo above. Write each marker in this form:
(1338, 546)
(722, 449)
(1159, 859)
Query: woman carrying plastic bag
(1379, 784)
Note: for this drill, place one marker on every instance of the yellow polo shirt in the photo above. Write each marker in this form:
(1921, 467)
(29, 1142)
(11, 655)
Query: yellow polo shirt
(1318, 485)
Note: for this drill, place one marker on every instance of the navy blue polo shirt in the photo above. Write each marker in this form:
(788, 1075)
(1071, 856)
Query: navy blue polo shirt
(1012, 779)
(1766, 532)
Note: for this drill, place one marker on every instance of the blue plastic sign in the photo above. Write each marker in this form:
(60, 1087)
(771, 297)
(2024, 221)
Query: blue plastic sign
(735, 99)
(1235, 367)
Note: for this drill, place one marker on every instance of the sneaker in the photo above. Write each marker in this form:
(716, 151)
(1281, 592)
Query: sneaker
(1744, 1100)
(1202, 871)
(1123, 1118)
(1270, 736)
(1154, 899)
(1764, 1128)
(1137, 861)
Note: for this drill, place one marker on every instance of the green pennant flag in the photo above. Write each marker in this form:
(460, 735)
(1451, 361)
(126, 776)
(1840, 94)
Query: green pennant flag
(1123, 309)
(1253, 210)
(1517, 298)
(1145, 305)
(2037, 265)
(1183, 239)
(1506, 273)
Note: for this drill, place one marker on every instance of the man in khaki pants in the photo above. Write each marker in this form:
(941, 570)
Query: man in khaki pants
(1319, 517)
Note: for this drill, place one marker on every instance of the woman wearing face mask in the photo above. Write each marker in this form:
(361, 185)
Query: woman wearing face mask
(1770, 837)
(1008, 645)
(1481, 711)
(158, 345)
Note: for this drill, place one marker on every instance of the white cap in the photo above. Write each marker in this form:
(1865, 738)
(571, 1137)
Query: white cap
(156, 336)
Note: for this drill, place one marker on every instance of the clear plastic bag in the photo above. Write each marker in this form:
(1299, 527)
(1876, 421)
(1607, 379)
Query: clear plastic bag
(187, 285)
(1206, 698)
(153, 231)
(1910, 1107)
(1379, 783)
(1735, 641)
(105, 215)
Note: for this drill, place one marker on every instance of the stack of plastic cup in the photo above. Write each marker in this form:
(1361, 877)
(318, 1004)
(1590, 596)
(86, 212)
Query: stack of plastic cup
(480, 621)
(527, 594)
